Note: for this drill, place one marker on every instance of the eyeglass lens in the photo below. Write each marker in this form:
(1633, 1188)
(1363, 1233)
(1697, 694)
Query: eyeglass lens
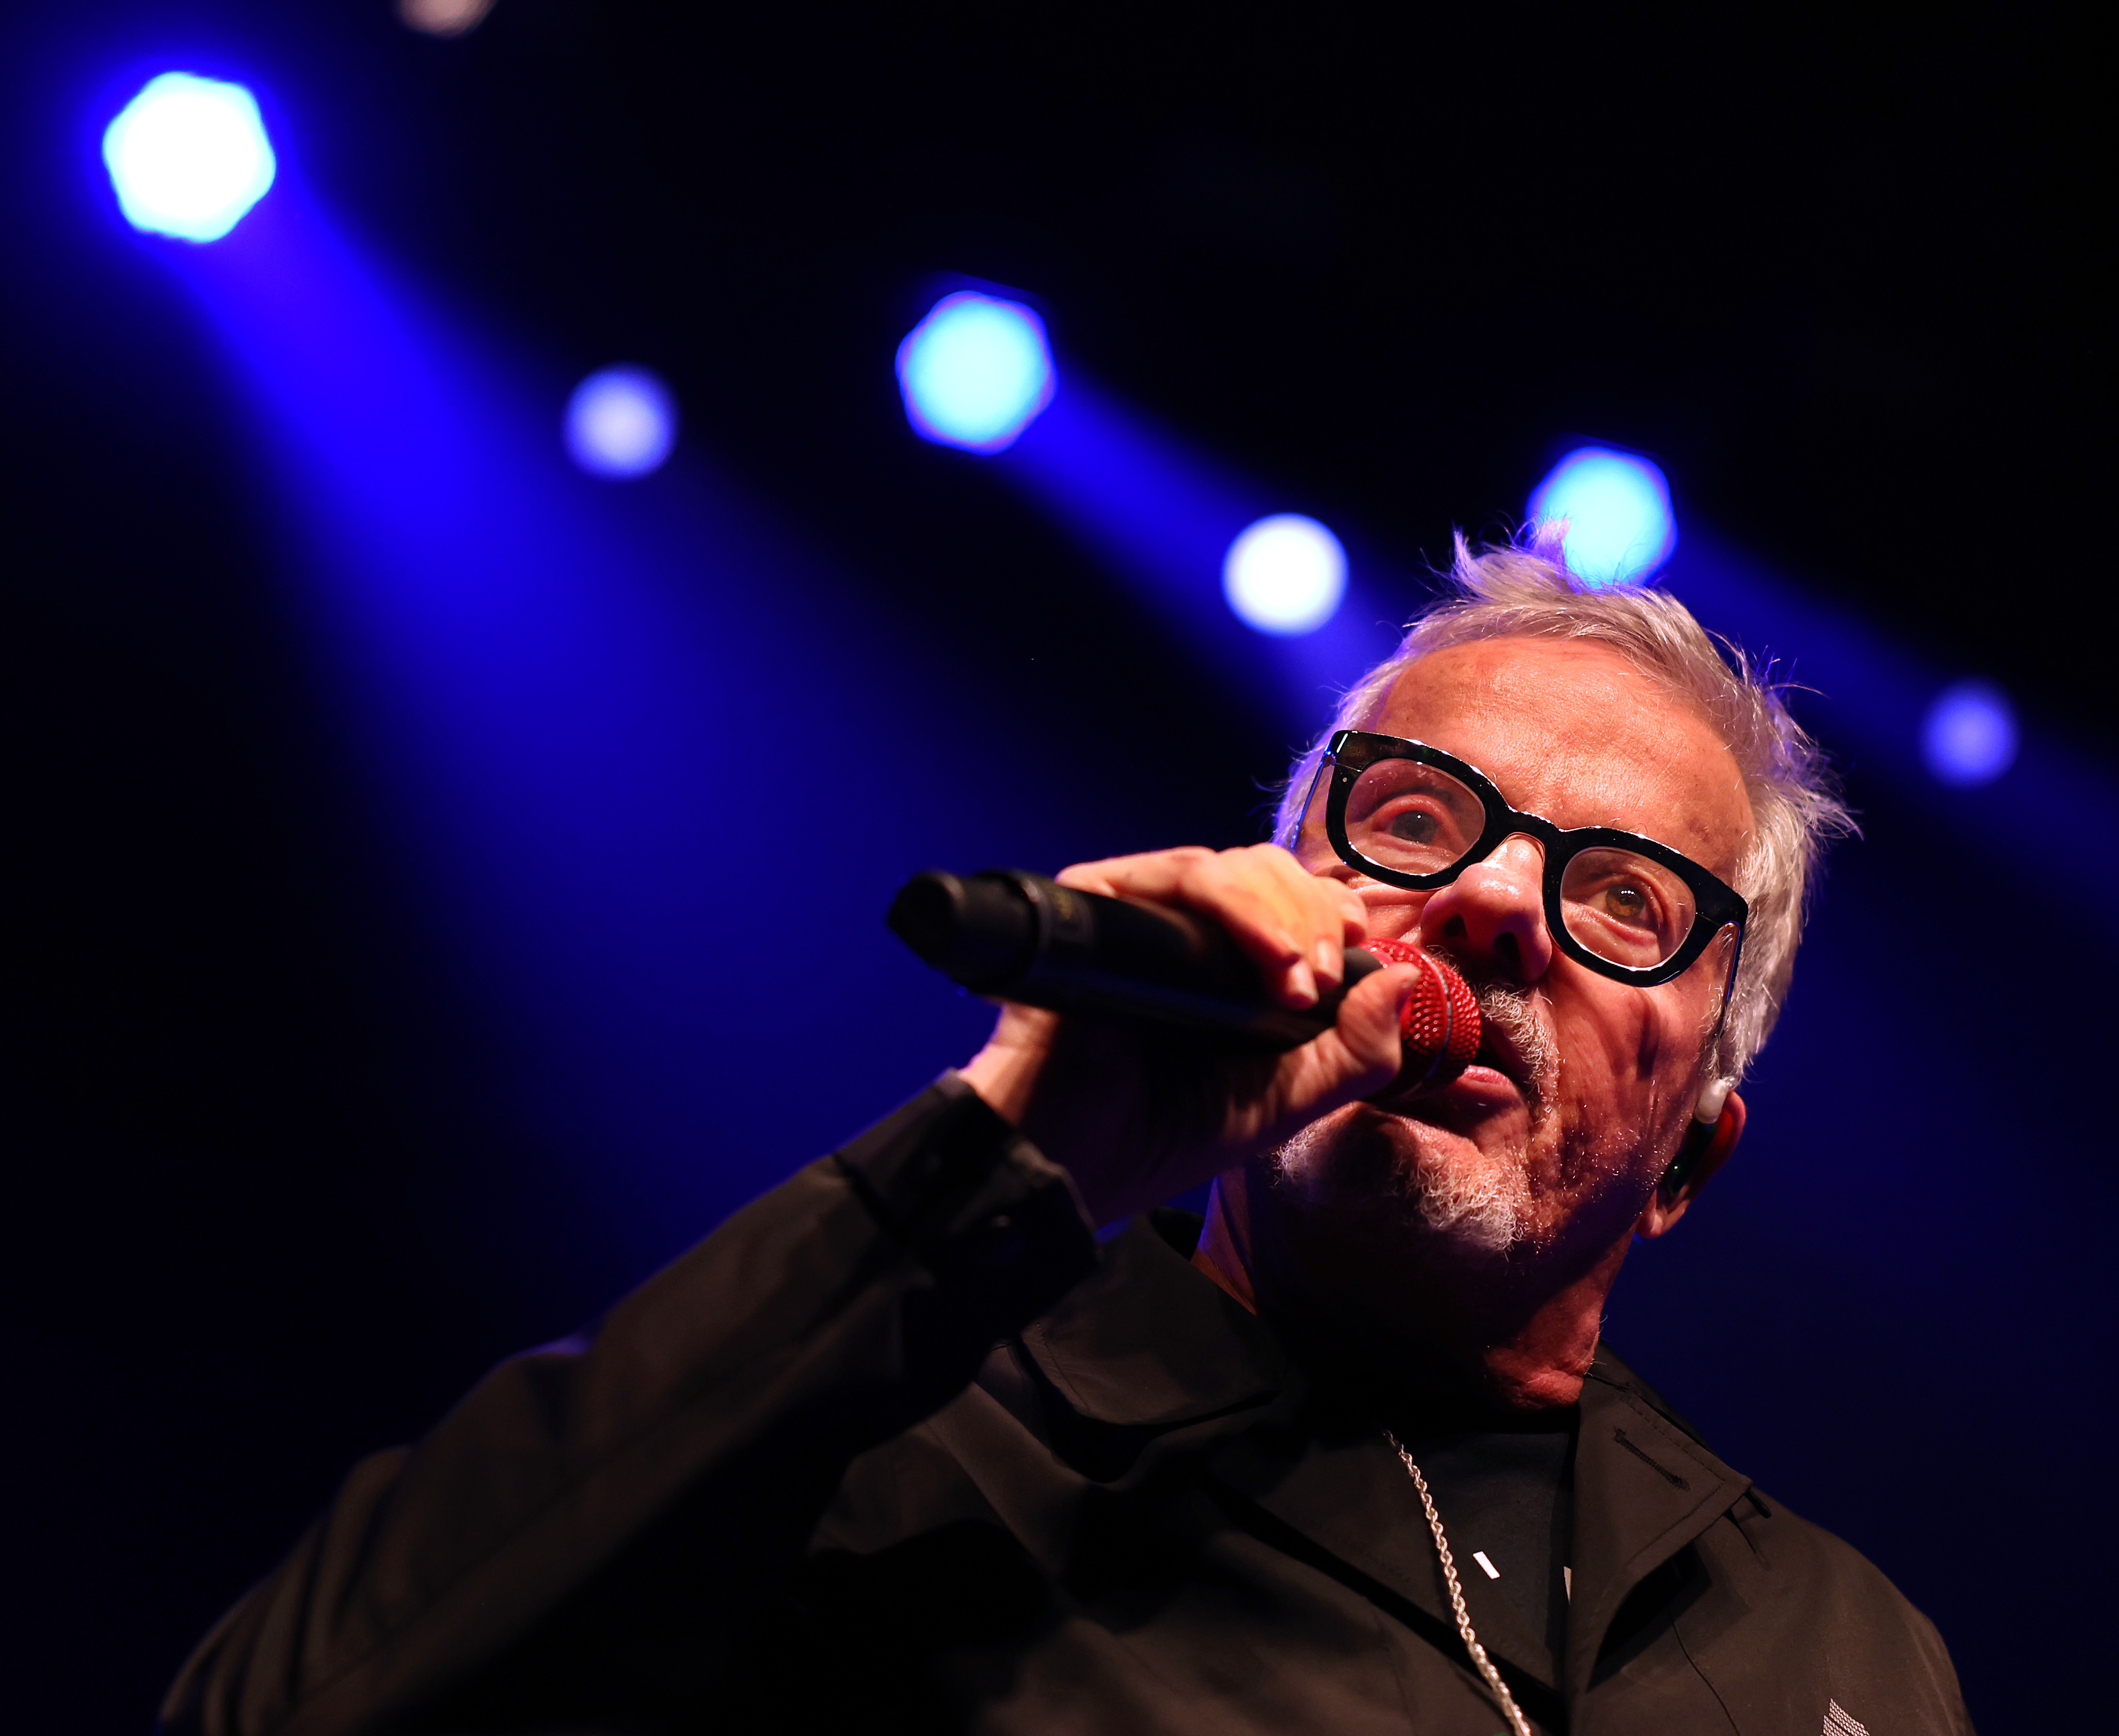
(1416, 818)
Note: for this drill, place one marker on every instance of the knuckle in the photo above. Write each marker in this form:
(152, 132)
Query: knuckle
(1273, 860)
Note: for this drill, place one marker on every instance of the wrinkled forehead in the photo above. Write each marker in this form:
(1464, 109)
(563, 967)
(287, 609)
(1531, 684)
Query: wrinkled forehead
(1580, 734)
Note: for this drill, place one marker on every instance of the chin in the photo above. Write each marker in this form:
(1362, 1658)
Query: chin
(1414, 1176)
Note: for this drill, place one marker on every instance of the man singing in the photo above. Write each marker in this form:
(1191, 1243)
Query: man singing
(901, 1447)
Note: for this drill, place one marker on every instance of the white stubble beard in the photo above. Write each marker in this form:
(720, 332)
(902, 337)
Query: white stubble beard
(1478, 1201)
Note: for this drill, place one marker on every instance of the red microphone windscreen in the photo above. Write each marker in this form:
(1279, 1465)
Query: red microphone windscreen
(1440, 1028)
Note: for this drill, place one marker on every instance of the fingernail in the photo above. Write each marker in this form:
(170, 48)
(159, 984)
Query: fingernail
(1331, 962)
(1303, 981)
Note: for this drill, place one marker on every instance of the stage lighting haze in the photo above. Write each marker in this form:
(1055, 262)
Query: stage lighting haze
(1285, 575)
(621, 422)
(1619, 528)
(1970, 735)
(188, 156)
(975, 372)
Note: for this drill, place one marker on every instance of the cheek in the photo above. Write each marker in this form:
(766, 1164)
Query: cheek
(1620, 1052)
(1311, 847)
(1629, 1066)
(1607, 1102)
(1393, 912)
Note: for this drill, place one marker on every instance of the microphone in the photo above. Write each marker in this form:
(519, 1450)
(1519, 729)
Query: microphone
(1018, 936)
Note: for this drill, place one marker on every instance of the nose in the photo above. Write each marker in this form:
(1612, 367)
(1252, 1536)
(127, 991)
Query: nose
(1493, 913)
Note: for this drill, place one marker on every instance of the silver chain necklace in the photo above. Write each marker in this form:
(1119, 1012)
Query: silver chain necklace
(1517, 1722)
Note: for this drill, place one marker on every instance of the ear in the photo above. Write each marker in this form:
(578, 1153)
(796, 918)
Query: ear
(1706, 1148)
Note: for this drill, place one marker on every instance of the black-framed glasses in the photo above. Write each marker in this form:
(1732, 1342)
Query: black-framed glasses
(1622, 905)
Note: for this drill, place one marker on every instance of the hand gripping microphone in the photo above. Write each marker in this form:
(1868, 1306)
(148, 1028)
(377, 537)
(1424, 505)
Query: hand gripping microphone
(1021, 937)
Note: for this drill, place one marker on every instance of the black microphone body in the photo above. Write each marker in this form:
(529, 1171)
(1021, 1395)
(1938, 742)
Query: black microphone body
(1021, 937)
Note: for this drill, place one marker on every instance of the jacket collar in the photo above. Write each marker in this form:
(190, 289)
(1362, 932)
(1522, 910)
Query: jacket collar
(1645, 1487)
(1147, 1341)
(1148, 1345)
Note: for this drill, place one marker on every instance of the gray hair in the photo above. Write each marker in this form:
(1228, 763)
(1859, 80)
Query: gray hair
(1526, 591)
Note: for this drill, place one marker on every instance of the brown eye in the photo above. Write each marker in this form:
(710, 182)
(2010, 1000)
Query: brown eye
(1415, 827)
(1624, 908)
(1628, 903)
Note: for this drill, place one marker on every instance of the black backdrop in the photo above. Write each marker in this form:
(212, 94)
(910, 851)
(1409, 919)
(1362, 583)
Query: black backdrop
(278, 1189)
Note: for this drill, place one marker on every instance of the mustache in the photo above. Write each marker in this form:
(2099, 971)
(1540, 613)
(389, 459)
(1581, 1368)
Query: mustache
(1510, 1010)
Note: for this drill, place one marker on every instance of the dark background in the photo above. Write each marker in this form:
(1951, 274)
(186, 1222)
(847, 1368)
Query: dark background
(286, 1173)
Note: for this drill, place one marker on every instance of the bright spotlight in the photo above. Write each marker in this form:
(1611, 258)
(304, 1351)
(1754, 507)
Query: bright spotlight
(1285, 575)
(1617, 508)
(1970, 735)
(975, 372)
(621, 422)
(188, 156)
(444, 17)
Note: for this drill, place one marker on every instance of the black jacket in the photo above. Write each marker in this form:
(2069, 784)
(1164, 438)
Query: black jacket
(846, 1466)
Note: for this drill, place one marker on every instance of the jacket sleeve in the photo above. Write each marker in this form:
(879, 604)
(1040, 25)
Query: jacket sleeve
(724, 1398)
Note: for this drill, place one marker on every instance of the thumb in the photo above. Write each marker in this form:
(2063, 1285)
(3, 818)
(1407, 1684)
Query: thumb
(1361, 1052)
(1358, 1057)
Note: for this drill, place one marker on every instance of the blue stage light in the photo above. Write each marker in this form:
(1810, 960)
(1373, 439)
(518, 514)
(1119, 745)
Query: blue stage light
(1970, 735)
(621, 422)
(1617, 508)
(975, 372)
(188, 156)
(1285, 575)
